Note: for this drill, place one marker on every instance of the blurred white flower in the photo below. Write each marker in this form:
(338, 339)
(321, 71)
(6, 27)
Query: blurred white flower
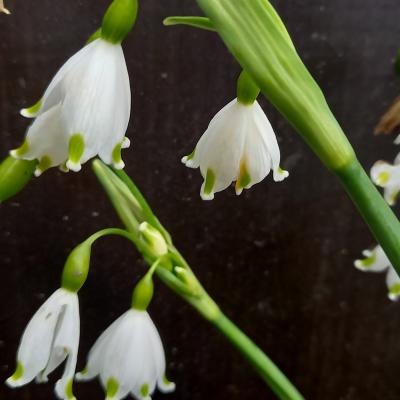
(84, 112)
(50, 338)
(239, 145)
(387, 176)
(2, 8)
(376, 261)
(129, 358)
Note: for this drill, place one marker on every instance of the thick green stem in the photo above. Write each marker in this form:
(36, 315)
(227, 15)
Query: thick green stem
(262, 364)
(377, 214)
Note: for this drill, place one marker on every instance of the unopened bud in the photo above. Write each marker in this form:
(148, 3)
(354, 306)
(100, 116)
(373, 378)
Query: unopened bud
(154, 239)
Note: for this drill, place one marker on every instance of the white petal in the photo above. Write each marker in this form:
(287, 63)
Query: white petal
(54, 93)
(268, 135)
(34, 350)
(220, 148)
(97, 101)
(125, 354)
(393, 284)
(375, 261)
(46, 137)
(387, 176)
(67, 341)
(96, 358)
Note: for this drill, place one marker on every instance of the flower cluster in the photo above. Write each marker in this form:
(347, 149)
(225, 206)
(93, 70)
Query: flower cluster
(386, 176)
(375, 260)
(128, 357)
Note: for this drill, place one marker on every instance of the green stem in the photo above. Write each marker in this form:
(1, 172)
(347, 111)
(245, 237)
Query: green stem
(261, 362)
(380, 218)
(181, 279)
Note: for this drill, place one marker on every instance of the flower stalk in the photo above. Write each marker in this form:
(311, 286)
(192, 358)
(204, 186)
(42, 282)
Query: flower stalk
(257, 38)
(175, 272)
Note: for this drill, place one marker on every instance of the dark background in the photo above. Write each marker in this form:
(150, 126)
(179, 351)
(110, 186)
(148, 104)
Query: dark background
(278, 259)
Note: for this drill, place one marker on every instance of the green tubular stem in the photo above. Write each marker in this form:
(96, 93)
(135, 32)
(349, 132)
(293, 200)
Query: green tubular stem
(265, 367)
(256, 36)
(380, 218)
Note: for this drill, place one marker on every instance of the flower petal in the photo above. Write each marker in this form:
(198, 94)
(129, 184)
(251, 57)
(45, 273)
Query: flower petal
(387, 176)
(97, 101)
(393, 284)
(220, 148)
(268, 135)
(374, 261)
(46, 141)
(36, 342)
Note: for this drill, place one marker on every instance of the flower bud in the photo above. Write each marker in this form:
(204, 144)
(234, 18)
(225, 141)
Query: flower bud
(153, 239)
(14, 175)
(77, 267)
(119, 20)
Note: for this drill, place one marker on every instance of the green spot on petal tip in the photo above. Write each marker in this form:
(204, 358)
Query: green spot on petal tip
(44, 164)
(209, 182)
(68, 390)
(76, 148)
(33, 110)
(144, 390)
(19, 372)
(112, 387)
(21, 151)
(116, 157)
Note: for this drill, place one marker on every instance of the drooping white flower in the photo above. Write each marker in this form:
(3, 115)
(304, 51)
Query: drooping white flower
(129, 358)
(376, 261)
(84, 112)
(50, 338)
(2, 8)
(239, 145)
(387, 176)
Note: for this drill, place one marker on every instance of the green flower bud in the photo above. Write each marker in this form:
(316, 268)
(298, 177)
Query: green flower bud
(119, 20)
(153, 239)
(77, 267)
(14, 175)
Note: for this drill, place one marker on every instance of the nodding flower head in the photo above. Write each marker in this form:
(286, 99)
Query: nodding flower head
(239, 145)
(50, 338)
(83, 113)
(129, 358)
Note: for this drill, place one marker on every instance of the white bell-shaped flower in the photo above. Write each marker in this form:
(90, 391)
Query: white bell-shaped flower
(387, 176)
(376, 261)
(2, 8)
(239, 145)
(129, 358)
(84, 112)
(51, 337)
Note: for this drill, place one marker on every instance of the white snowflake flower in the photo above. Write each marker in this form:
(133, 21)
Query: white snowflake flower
(50, 338)
(129, 358)
(239, 145)
(83, 113)
(376, 261)
(387, 176)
